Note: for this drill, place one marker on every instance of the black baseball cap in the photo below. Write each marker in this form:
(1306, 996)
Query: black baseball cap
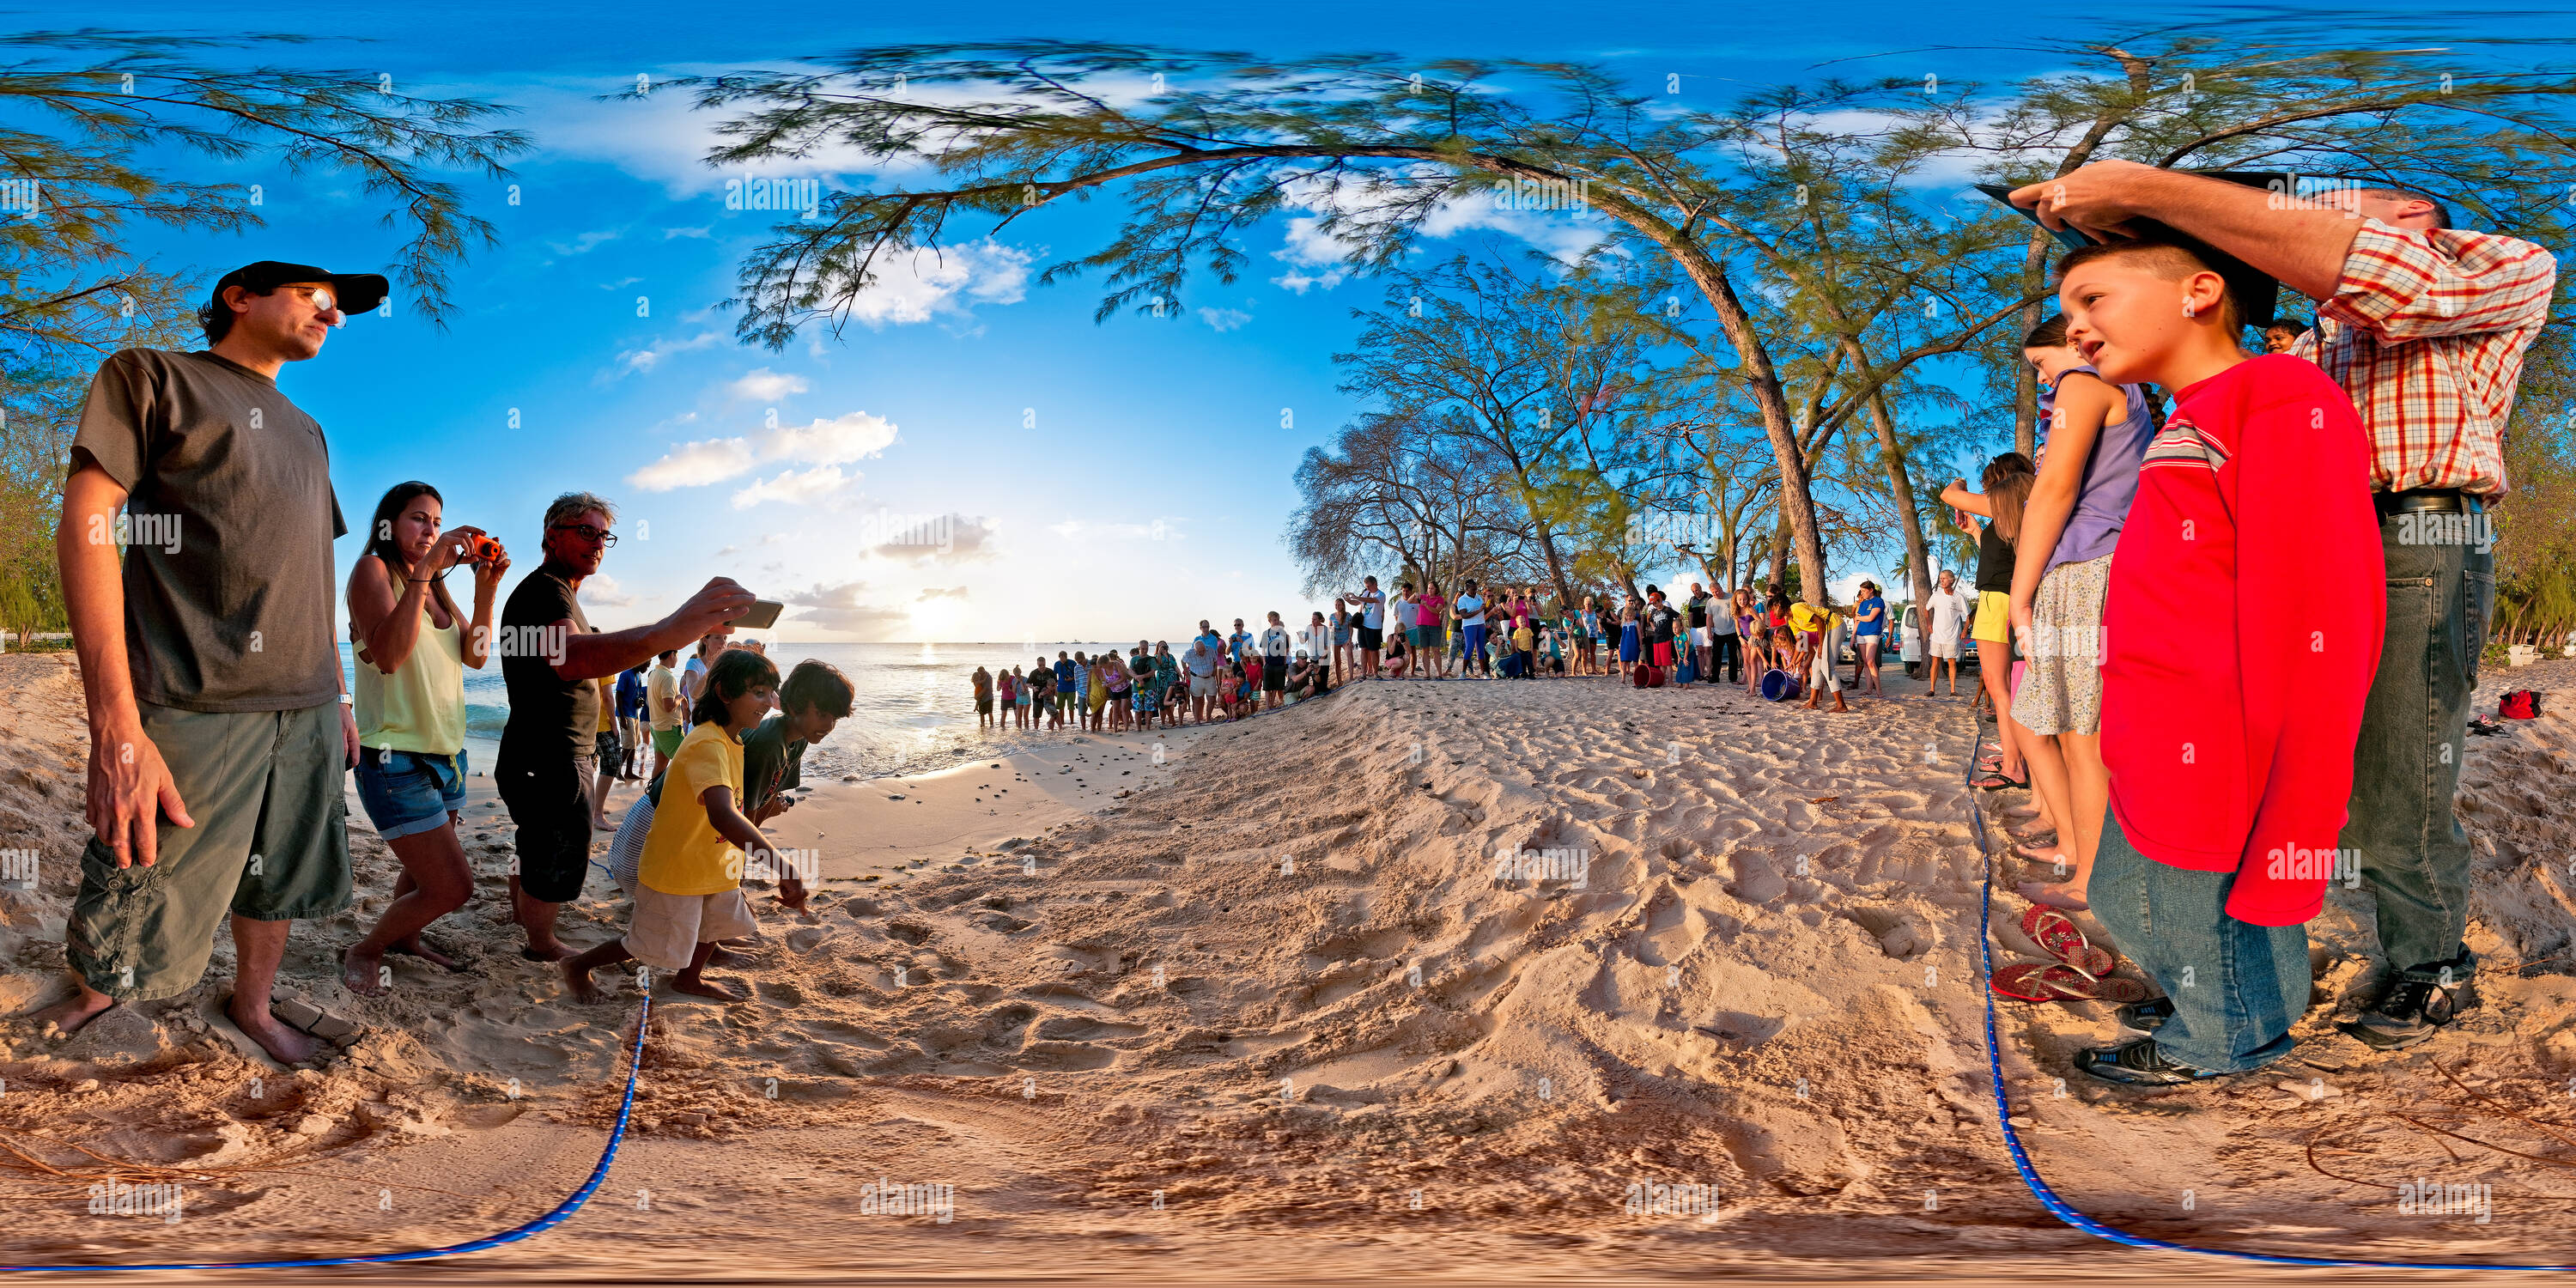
(2257, 294)
(355, 293)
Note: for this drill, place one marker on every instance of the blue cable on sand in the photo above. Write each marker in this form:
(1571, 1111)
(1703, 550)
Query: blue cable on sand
(554, 1217)
(2060, 1208)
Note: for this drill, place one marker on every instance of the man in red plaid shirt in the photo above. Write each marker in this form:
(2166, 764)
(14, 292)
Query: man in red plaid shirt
(2425, 327)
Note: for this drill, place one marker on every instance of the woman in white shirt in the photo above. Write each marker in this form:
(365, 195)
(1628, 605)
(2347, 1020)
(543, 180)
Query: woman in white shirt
(1318, 645)
(1274, 662)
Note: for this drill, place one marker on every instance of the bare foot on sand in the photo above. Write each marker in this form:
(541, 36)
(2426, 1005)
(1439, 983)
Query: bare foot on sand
(68, 1015)
(2055, 895)
(416, 947)
(552, 950)
(283, 1044)
(700, 986)
(726, 957)
(362, 973)
(579, 981)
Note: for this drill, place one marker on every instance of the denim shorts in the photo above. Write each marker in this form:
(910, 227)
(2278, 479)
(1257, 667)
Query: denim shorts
(408, 792)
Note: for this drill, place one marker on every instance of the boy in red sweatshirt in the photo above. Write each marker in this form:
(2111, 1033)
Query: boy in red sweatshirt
(2241, 632)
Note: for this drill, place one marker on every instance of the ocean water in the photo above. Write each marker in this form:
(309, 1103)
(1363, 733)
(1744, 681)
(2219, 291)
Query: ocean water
(914, 708)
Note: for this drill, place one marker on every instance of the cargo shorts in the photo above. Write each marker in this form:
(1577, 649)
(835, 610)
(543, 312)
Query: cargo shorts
(271, 844)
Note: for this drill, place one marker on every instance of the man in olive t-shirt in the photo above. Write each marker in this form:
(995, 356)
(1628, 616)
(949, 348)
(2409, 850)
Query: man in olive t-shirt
(208, 656)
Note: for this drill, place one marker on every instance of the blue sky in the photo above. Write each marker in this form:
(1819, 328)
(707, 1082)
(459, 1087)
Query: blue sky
(1129, 477)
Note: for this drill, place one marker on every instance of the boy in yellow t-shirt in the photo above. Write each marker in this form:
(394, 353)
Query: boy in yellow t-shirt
(1814, 629)
(688, 891)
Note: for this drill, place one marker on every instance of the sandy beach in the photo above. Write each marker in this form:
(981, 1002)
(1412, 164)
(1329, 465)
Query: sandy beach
(1175, 1014)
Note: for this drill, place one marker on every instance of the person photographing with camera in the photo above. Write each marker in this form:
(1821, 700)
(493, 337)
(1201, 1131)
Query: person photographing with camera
(412, 645)
(550, 657)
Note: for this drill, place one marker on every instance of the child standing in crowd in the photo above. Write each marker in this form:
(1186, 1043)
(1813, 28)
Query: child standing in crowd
(1748, 625)
(1408, 623)
(1432, 613)
(2088, 475)
(1524, 646)
(2007, 480)
(1869, 624)
(1341, 635)
(688, 891)
(1814, 629)
(2254, 536)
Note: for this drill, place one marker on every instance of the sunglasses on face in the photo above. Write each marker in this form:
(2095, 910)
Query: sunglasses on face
(586, 532)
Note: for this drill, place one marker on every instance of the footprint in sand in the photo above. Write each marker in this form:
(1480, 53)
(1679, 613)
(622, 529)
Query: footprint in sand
(1900, 934)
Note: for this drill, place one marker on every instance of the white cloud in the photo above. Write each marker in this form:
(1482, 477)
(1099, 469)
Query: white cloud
(845, 607)
(838, 441)
(929, 593)
(706, 231)
(1317, 258)
(651, 355)
(923, 284)
(599, 590)
(945, 538)
(1156, 530)
(584, 243)
(1224, 319)
(765, 385)
(663, 138)
(692, 463)
(794, 487)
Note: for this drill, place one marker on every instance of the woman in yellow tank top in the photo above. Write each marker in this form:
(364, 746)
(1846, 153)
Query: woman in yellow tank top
(413, 645)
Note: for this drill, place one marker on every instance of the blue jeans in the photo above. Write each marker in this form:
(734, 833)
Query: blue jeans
(406, 793)
(2406, 763)
(1476, 650)
(2236, 987)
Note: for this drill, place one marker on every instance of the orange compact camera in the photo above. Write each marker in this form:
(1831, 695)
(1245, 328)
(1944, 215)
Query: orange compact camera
(484, 550)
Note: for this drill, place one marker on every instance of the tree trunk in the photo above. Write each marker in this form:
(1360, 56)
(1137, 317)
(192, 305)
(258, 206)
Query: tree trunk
(1900, 482)
(1753, 357)
(1780, 553)
(1555, 562)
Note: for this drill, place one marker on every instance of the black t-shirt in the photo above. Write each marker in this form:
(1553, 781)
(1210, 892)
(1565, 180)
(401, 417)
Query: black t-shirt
(1994, 562)
(1659, 623)
(552, 719)
(1698, 611)
(770, 763)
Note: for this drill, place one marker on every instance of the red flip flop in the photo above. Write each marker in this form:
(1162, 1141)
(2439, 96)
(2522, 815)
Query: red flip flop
(2059, 937)
(2035, 982)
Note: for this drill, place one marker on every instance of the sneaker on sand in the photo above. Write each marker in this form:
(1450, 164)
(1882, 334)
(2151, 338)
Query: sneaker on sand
(2138, 1064)
(2418, 1003)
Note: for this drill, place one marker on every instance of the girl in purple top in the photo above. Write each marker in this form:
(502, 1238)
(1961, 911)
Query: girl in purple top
(2088, 475)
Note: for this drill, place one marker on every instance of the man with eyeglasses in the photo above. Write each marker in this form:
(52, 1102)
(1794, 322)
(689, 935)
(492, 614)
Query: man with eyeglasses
(209, 655)
(549, 660)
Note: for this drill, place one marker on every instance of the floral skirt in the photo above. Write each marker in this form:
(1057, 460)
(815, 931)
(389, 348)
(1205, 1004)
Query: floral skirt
(2063, 691)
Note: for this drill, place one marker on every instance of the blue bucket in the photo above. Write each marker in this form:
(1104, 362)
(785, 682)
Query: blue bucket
(1778, 686)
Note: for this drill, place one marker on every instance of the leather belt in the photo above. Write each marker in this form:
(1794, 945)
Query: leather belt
(2446, 500)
